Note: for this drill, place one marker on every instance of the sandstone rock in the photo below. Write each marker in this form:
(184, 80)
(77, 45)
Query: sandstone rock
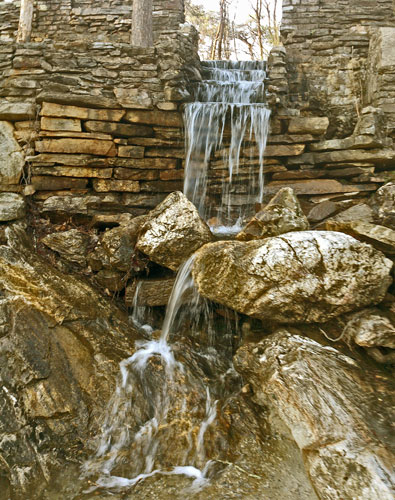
(317, 186)
(115, 250)
(84, 146)
(12, 206)
(100, 173)
(64, 111)
(13, 111)
(11, 160)
(332, 405)
(77, 204)
(84, 100)
(174, 230)
(383, 204)
(370, 328)
(118, 129)
(308, 125)
(131, 151)
(298, 277)
(48, 183)
(163, 118)
(284, 150)
(62, 124)
(380, 237)
(282, 215)
(70, 245)
(152, 292)
(104, 185)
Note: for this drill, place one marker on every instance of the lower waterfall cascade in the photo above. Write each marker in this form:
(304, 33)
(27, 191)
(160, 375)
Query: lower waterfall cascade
(142, 426)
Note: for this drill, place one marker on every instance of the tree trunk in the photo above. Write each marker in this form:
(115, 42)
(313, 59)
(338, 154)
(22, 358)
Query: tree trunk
(25, 21)
(142, 24)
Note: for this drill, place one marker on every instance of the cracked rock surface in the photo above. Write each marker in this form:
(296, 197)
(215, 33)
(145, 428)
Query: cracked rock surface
(306, 276)
(333, 406)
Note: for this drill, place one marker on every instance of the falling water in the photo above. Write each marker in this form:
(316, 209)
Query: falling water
(226, 131)
(159, 399)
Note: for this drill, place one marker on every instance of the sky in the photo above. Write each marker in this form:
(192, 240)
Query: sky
(241, 8)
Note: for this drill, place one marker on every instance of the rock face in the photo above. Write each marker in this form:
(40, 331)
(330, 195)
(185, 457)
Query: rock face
(12, 206)
(60, 344)
(333, 409)
(11, 160)
(384, 205)
(173, 232)
(297, 277)
(282, 215)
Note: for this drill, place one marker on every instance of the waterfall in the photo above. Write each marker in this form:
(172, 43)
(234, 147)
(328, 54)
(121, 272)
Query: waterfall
(226, 129)
(165, 403)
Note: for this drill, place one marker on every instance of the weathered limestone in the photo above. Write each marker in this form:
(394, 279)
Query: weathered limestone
(61, 124)
(118, 129)
(105, 185)
(282, 215)
(383, 205)
(331, 403)
(12, 206)
(162, 118)
(370, 328)
(174, 230)
(298, 277)
(11, 159)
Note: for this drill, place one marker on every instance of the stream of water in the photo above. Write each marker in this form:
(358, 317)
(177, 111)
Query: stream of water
(159, 415)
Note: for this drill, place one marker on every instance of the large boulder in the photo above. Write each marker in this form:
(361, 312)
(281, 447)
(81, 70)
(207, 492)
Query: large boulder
(174, 231)
(334, 408)
(282, 215)
(60, 345)
(306, 276)
(11, 159)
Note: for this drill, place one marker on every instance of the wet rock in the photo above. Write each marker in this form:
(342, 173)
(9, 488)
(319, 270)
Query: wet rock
(12, 206)
(174, 231)
(333, 407)
(298, 277)
(71, 245)
(282, 215)
(116, 248)
(11, 161)
(60, 345)
(383, 204)
(380, 237)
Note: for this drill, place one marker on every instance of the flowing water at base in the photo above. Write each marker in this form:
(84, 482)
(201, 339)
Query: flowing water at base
(158, 418)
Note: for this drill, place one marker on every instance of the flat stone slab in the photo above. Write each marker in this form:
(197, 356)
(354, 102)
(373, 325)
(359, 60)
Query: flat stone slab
(12, 206)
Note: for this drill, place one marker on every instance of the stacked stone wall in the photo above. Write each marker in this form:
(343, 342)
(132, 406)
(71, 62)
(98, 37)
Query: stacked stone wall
(86, 20)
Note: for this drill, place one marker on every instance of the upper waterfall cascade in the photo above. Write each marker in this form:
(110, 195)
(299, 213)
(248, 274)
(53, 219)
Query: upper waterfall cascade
(226, 129)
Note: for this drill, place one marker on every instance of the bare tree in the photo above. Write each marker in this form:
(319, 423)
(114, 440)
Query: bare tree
(221, 43)
(25, 21)
(142, 35)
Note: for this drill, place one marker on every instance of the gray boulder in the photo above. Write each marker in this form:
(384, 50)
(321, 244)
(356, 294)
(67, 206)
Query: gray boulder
(174, 231)
(306, 276)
